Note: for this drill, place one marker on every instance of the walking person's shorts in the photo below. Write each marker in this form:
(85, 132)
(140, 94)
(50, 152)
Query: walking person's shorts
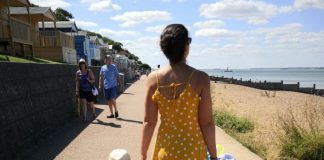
(111, 93)
(86, 95)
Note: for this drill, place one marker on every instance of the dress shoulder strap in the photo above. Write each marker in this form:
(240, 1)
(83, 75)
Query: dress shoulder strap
(157, 79)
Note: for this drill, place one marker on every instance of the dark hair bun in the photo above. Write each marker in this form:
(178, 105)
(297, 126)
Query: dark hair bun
(173, 41)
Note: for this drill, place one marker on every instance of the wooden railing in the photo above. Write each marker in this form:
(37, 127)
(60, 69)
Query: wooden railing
(52, 39)
(4, 32)
(21, 32)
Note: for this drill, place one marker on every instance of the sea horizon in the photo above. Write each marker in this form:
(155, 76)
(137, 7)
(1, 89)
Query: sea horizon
(306, 76)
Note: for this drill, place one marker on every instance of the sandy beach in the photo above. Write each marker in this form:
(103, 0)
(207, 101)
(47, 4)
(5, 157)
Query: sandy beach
(264, 110)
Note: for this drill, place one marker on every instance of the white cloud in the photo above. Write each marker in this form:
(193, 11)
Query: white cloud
(254, 12)
(130, 19)
(179, 1)
(51, 3)
(101, 5)
(147, 49)
(209, 24)
(218, 33)
(285, 9)
(87, 1)
(302, 4)
(86, 23)
(156, 29)
(262, 47)
(290, 38)
(286, 39)
(117, 33)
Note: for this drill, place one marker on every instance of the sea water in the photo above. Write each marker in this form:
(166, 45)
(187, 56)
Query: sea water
(305, 76)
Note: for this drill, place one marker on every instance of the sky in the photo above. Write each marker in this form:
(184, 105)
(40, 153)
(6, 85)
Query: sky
(225, 33)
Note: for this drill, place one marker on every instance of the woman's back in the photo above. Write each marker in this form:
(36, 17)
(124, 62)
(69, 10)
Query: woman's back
(173, 81)
(179, 135)
(181, 95)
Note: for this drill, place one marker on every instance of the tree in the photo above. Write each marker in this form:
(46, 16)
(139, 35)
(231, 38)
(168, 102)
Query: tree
(107, 40)
(145, 66)
(63, 15)
(94, 34)
(118, 46)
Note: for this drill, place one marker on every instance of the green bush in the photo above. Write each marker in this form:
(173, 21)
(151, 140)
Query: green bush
(302, 141)
(229, 121)
(305, 148)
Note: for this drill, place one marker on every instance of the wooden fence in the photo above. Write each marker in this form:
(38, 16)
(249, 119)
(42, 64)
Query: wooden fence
(265, 85)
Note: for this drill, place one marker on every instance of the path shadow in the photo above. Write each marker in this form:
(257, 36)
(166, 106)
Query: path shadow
(55, 143)
(128, 120)
(128, 93)
(100, 122)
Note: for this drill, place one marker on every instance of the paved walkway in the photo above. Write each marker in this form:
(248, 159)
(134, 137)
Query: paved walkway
(97, 139)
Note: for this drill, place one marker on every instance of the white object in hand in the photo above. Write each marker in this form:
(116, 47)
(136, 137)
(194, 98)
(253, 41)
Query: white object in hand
(119, 154)
(94, 91)
(226, 157)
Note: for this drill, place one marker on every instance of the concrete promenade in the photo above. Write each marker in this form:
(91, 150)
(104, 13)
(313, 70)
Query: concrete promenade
(96, 139)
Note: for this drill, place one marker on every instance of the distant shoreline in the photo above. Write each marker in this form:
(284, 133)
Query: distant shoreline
(307, 77)
(266, 85)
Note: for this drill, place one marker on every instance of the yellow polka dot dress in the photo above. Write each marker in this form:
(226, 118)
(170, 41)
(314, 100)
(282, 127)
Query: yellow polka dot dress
(179, 135)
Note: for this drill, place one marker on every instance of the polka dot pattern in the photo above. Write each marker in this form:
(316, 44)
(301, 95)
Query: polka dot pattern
(179, 135)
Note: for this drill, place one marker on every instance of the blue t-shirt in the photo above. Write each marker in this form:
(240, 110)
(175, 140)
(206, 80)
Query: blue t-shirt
(110, 74)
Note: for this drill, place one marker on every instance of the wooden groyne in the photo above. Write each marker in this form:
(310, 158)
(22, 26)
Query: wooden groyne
(265, 85)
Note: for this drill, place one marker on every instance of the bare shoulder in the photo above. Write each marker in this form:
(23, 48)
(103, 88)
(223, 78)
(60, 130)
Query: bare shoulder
(202, 77)
(152, 80)
(77, 72)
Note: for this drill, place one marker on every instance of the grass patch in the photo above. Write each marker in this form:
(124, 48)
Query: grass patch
(240, 129)
(230, 122)
(302, 137)
(8, 58)
(249, 142)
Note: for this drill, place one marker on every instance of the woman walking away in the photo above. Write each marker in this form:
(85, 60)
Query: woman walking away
(84, 80)
(181, 94)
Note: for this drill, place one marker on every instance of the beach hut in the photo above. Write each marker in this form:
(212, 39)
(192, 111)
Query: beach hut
(15, 34)
(82, 45)
(33, 15)
(94, 56)
(56, 41)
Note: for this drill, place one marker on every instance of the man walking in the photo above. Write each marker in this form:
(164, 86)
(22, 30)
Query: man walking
(109, 77)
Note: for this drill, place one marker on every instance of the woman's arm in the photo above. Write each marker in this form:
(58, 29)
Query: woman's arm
(101, 81)
(91, 77)
(205, 116)
(76, 83)
(150, 118)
